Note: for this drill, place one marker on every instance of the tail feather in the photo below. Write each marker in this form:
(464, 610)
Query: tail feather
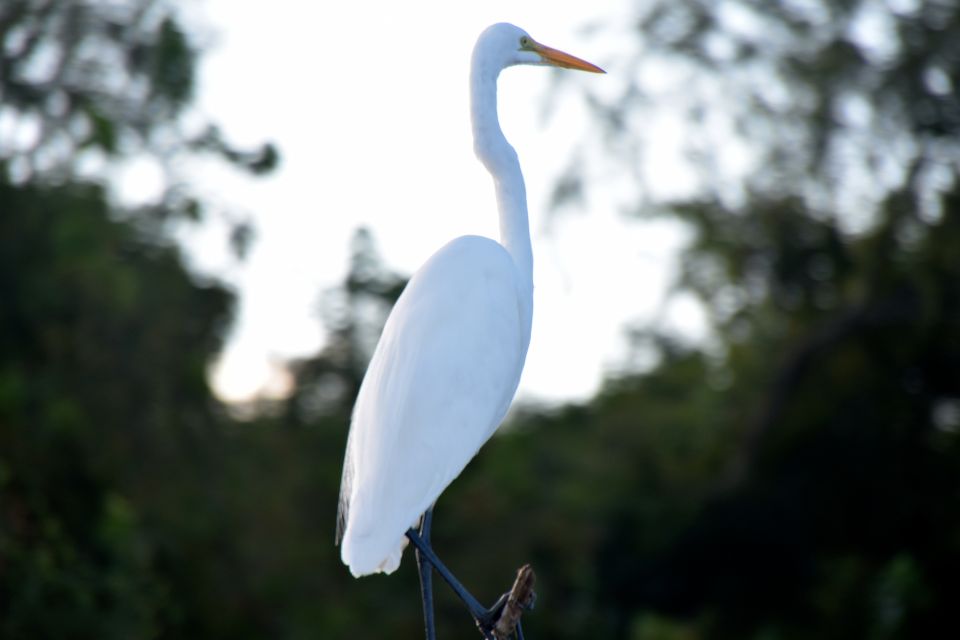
(369, 555)
(346, 484)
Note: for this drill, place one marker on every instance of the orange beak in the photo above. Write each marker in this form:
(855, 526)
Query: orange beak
(560, 59)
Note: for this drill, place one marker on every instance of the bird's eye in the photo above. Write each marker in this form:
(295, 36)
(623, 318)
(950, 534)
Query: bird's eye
(524, 42)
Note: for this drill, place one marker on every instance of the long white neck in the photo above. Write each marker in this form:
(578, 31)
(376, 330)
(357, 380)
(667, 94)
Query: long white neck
(501, 161)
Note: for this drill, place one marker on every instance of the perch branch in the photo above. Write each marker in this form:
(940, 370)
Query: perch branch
(520, 598)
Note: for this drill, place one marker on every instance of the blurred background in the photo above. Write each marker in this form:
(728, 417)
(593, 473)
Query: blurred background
(769, 448)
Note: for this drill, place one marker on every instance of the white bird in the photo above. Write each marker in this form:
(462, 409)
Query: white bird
(450, 356)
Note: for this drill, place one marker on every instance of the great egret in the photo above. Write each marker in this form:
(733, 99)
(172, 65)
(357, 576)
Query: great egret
(449, 360)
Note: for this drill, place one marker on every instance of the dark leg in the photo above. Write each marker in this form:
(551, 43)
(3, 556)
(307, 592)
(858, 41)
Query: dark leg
(476, 609)
(426, 576)
(485, 618)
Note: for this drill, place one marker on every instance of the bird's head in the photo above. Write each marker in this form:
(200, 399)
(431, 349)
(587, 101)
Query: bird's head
(507, 45)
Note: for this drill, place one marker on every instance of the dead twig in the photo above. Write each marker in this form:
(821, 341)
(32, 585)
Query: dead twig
(520, 598)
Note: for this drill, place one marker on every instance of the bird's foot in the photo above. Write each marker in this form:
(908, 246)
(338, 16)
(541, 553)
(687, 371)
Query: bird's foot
(496, 623)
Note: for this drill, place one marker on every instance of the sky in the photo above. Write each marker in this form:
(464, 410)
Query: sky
(368, 105)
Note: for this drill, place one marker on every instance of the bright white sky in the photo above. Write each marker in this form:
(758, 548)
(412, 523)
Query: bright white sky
(367, 102)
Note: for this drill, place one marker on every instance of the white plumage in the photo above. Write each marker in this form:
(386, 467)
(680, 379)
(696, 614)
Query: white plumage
(450, 357)
(440, 382)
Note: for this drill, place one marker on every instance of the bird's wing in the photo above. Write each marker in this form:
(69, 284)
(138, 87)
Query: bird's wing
(438, 385)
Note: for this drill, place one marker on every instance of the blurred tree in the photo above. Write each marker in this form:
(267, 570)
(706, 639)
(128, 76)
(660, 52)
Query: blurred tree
(85, 83)
(94, 407)
(81, 75)
(353, 316)
(109, 433)
(826, 229)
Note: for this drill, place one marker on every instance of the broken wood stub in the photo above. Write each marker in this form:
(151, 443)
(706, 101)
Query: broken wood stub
(521, 598)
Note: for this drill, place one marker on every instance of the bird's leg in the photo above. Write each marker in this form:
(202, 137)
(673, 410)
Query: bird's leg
(485, 618)
(426, 576)
(426, 552)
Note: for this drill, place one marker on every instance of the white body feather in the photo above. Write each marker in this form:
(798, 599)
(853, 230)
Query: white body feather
(440, 381)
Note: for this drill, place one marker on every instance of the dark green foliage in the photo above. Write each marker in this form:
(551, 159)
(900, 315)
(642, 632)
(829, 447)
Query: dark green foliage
(104, 341)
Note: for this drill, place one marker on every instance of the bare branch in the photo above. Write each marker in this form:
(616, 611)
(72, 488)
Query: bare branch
(520, 598)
